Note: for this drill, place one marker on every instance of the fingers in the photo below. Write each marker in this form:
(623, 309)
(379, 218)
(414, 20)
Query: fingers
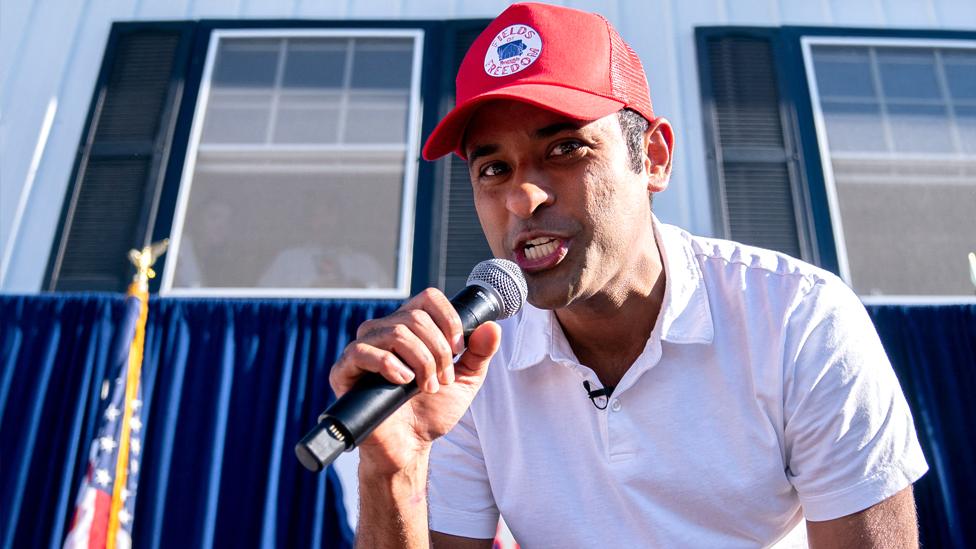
(437, 347)
(442, 313)
(417, 341)
(359, 358)
(482, 345)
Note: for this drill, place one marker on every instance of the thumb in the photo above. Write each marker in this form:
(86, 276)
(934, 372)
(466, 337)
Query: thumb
(482, 345)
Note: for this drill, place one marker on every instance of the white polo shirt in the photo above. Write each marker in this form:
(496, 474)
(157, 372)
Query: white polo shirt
(763, 395)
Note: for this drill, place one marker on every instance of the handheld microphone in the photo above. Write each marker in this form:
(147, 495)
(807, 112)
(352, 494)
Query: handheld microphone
(496, 289)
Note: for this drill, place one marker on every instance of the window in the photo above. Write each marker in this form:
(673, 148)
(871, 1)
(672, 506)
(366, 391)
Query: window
(896, 129)
(281, 158)
(300, 175)
(853, 149)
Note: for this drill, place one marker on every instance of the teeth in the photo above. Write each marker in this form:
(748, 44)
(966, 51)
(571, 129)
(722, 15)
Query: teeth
(540, 247)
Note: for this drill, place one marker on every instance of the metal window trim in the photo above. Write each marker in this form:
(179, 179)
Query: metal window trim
(833, 203)
(40, 146)
(409, 188)
(306, 293)
(917, 299)
(887, 41)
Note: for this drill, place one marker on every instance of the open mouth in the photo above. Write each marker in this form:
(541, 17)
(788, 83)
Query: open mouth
(540, 253)
(538, 248)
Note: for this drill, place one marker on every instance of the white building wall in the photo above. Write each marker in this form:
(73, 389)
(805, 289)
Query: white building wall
(51, 51)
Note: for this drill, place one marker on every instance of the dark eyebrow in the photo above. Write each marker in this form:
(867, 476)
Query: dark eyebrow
(553, 129)
(541, 133)
(483, 150)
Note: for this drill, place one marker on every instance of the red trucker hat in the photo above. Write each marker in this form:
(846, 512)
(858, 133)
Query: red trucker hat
(561, 59)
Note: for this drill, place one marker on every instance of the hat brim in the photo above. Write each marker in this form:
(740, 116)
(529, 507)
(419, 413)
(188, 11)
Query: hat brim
(570, 102)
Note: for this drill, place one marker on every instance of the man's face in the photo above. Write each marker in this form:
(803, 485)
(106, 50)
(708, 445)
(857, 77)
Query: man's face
(559, 198)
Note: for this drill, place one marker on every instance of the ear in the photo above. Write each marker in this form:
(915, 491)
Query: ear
(658, 146)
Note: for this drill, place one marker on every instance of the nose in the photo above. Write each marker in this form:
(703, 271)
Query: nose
(525, 198)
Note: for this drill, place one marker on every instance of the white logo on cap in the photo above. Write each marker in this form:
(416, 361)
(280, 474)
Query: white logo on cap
(513, 49)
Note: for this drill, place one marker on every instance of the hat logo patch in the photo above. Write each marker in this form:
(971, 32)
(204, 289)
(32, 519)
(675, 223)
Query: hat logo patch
(513, 49)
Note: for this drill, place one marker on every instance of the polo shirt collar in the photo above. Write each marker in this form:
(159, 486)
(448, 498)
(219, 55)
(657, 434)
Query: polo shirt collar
(685, 314)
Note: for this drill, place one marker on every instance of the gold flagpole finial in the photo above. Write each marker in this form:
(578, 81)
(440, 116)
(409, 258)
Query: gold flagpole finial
(144, 260)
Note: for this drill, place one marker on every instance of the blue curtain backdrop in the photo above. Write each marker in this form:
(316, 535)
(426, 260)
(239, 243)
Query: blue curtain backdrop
(231, 385)
(55, 354)
(933, 351)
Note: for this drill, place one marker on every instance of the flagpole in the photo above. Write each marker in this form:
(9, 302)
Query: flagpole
(139, 288)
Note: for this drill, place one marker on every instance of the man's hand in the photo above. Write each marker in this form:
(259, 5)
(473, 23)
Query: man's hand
(888, 524)
(418, 341)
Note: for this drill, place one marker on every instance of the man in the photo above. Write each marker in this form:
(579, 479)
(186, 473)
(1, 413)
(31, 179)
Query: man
(749, 389)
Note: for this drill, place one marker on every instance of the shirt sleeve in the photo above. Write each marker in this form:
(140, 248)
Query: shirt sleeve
(460, 499)
(850, 439)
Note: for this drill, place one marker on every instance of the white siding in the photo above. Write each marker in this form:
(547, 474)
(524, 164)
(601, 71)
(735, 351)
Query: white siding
(50, 52)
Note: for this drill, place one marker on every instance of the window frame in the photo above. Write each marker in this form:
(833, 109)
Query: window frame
(820, 148)
(409, 201)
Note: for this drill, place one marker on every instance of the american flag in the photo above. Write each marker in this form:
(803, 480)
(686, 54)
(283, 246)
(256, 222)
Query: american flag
(106, 498)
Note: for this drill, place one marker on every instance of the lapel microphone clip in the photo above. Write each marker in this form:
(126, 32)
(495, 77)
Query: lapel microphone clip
(598, 396)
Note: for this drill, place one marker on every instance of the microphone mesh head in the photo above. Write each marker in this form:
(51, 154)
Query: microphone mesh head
(506, 279)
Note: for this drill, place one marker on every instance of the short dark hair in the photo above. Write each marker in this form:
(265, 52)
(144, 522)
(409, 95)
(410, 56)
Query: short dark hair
(633, 125)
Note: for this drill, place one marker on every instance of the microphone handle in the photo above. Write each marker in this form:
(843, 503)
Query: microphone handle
(370, 401)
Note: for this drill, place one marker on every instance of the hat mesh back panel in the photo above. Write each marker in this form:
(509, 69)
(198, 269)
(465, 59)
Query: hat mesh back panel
(627, 77)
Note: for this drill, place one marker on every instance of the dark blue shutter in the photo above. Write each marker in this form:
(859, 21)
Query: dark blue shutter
(759, 189)
(463, 242)
(114, 190)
